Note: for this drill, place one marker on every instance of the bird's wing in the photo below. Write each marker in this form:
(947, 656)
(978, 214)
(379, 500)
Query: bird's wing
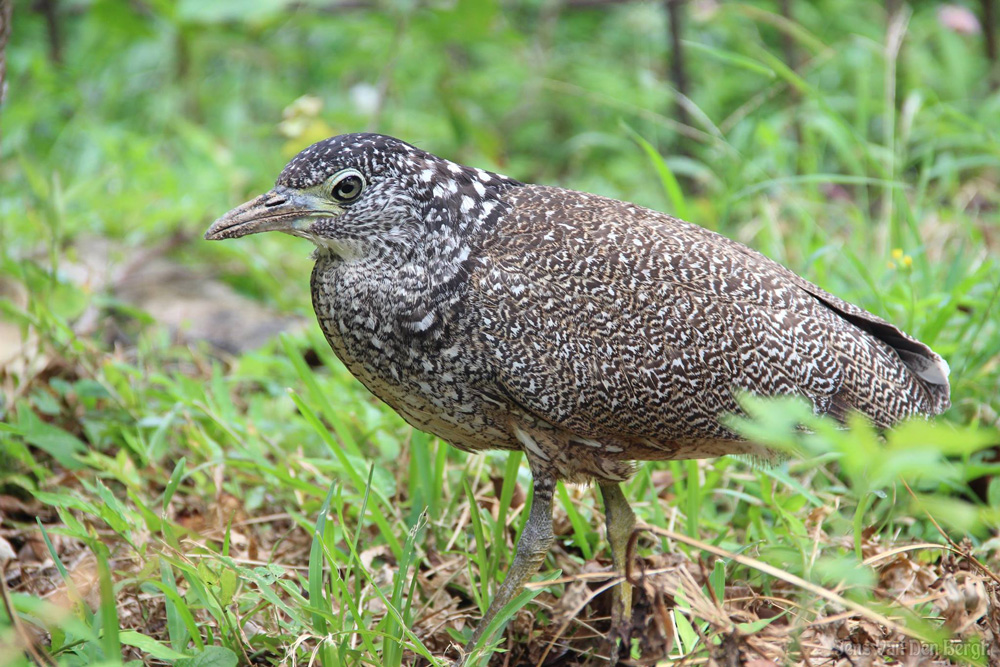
(931, 370)
(610, 319)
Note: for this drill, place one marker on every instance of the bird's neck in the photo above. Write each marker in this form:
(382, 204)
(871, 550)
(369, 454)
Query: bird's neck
(417, 273)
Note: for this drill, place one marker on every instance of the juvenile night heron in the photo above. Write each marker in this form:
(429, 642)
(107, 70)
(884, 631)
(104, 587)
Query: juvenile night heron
(587, 332)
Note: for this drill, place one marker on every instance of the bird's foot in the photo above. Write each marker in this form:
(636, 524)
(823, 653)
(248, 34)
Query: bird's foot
(621, 621)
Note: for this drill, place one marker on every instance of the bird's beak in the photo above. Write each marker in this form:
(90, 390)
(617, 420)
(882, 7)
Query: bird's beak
(280, 210)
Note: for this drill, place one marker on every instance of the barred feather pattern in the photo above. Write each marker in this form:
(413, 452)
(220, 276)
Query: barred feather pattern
(586, 331)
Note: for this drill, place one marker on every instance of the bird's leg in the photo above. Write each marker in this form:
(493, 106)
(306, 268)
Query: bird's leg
(620, 520)
(536, 538)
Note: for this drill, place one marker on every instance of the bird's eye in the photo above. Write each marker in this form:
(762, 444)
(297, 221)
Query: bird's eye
(346, 186)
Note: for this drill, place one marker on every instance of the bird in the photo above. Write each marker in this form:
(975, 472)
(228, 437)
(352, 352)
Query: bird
(589, 333)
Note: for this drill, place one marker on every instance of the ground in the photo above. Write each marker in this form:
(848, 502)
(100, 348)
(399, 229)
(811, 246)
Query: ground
(188, 476)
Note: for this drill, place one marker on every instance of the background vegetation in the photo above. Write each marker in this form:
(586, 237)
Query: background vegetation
(175, 431)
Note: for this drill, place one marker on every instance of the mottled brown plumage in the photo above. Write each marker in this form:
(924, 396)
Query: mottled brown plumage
(586, 331)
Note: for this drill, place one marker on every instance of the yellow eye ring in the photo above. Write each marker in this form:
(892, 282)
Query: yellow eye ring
(346, 186)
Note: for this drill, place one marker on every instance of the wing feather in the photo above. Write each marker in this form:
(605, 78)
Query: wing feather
(611, 320)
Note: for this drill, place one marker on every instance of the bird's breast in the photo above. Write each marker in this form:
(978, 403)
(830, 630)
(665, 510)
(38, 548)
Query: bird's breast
(432, 378)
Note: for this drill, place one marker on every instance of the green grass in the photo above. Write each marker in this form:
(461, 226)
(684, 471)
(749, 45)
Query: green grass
(171, 503)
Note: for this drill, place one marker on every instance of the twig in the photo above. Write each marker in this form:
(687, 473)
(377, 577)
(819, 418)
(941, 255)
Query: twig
(6, 13)
(792, 60)
(48, 9)
(678, 72)
(954, 547)
(990, 19)
(792, 579)
(21, 633)
(571, 616)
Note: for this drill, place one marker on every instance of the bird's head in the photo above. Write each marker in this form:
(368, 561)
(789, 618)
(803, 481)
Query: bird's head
(353, 191)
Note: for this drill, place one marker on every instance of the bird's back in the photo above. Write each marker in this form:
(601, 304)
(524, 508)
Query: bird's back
(610, 320)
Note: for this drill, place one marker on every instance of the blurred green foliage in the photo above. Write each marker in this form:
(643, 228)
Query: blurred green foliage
(870, 170)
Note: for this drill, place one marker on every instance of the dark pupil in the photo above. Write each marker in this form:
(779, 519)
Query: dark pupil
(349, 188)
